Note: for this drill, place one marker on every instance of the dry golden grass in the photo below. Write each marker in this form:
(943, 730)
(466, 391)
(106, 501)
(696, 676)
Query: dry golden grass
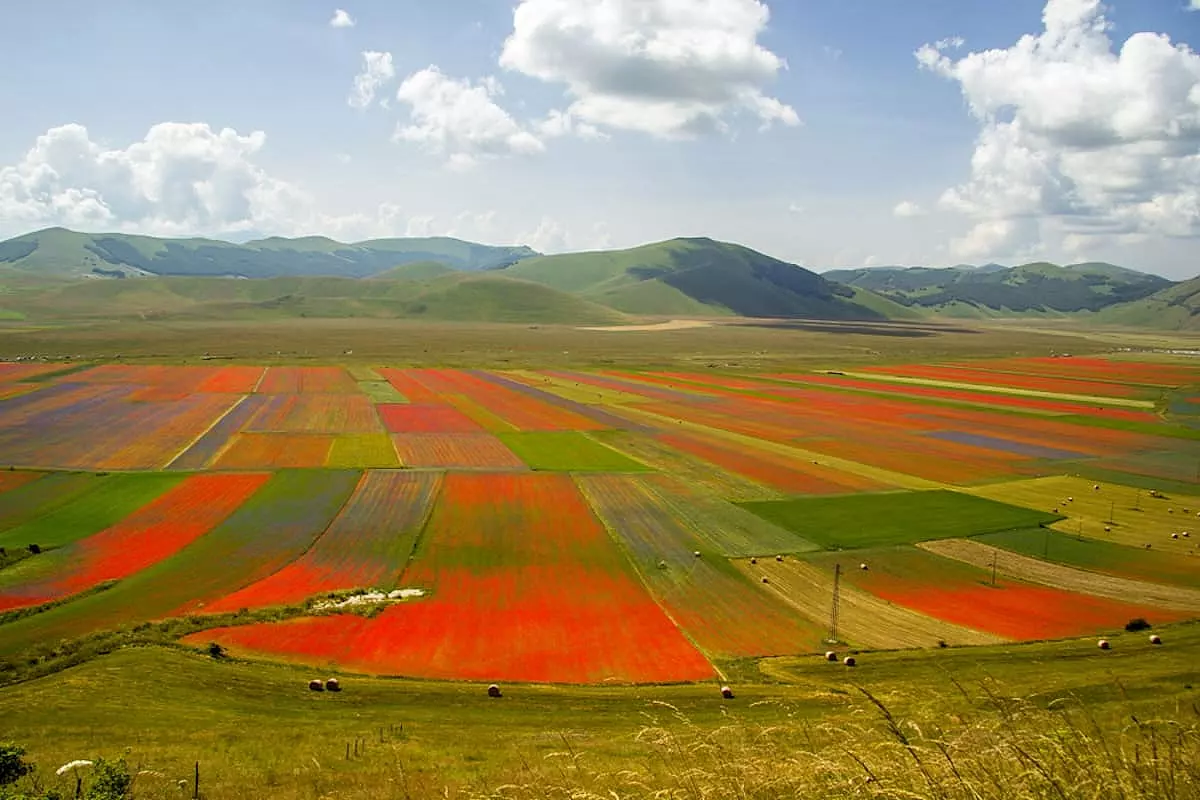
(1114, 513)
(864, 620)
(1059, 576)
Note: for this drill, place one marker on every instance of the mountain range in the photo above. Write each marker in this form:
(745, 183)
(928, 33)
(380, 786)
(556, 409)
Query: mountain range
(60, 274)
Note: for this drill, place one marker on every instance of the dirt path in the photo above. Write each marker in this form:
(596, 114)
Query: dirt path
(1062, 577)
(672, 325)
(864, 620)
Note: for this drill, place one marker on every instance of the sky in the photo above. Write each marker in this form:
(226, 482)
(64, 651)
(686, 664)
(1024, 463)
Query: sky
(829, 134)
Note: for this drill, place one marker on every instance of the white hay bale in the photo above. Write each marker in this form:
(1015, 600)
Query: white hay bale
(1054, 510)
(779, 559)
(494, 691)
(765, 580)
(1155, 639)
(850, 661)
(754, 561)
(1170, 511)
(1096, 488)
(831, 656)
(1186, 534)
(1108, 529)
(332, 685)
(316, 685)
(1103, 644)
(863, 566)
(696, 554)
(1174, 535)
(1070, 499)
(726, 692)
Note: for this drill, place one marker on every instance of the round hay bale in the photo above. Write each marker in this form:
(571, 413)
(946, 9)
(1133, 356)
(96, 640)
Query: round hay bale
(1186, 534)
(765, 579)
(779, 559)
(863, 566)
(332, 685)
(1170, 511)
(1103, 644)
(1070, 499)
(315, 685)
(726, 692)
(494, 691)
(754, 561)
(850, 661)
(831, 656)
(1054, 510)
(696, 554)
(1096, 488)
(1108, 529)
(1174, 535)
(1155, 639)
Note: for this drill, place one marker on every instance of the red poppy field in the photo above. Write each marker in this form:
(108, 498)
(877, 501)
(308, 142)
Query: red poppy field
(568, 525)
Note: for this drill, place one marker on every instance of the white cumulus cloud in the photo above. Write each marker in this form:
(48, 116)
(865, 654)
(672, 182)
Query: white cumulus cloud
(670, 68)
(1076, 139)
(182, 178)
(461, 121)
(342, 19)
(377, 71)
(908, 208)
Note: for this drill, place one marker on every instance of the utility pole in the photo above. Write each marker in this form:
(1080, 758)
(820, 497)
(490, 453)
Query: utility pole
(837, 599)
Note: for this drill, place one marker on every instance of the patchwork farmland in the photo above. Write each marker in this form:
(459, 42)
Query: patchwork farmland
(566, 526)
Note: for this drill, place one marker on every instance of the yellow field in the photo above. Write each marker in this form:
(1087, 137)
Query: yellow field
(1112, 513)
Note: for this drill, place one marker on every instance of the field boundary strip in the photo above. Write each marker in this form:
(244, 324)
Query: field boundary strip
(883, 476)
(205, 432)
(1060, 576)
(990, 389)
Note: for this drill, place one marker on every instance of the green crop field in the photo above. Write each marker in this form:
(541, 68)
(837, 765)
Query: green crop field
(104, 502)
(873, 520)
(568, 452)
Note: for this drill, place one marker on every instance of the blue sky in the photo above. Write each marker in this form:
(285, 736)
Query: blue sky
(848, 133)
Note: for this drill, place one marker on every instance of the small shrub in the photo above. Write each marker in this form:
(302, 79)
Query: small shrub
(12, 766)
(1137, 624)
(111, 780)
(35, 549)
(215, 650)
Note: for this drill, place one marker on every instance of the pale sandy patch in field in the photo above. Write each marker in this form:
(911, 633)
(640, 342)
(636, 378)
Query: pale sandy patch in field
(672, 325)
(1059, 576)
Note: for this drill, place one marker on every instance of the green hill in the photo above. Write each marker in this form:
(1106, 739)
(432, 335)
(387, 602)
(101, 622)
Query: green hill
(1038, 288)
(460, 296)
(416, 271)
(1174, 308)
(63, 253)
(700, 277)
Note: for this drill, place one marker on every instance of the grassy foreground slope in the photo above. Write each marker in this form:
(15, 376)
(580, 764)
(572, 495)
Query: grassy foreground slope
(972, 718)
(700, 276)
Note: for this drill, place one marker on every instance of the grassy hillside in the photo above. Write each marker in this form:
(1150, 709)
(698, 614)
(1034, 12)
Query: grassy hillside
(60, 252)
(1175, 308)
(698, 276)
(1038, 288)
(416, 271)
(479, 297)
